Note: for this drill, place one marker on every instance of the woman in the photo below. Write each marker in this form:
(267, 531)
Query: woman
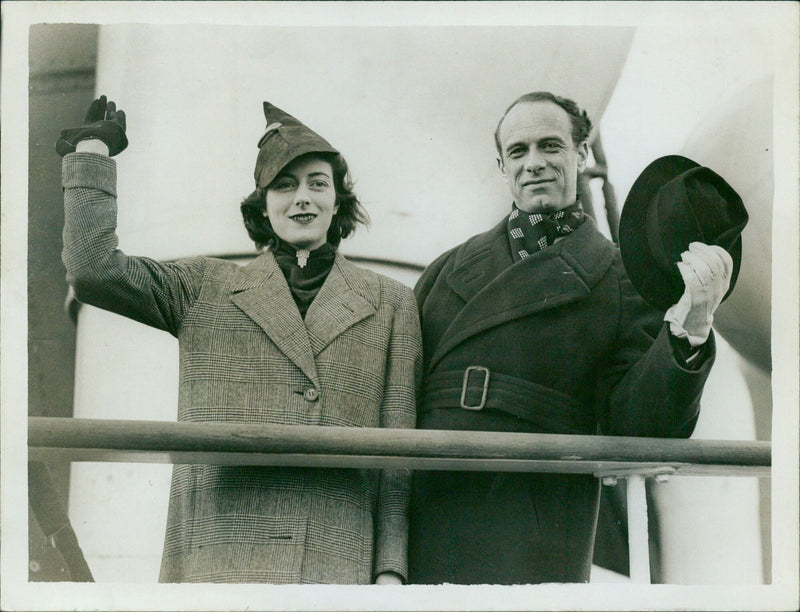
(298, 336)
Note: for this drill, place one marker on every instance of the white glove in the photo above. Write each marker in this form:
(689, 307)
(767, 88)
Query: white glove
(706, 272)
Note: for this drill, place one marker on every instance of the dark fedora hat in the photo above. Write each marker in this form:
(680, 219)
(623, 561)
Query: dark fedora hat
(284, 139)
(676, 201)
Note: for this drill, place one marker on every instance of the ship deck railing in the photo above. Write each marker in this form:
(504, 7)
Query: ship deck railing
(609, 458)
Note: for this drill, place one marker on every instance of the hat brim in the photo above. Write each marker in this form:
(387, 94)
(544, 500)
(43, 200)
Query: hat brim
(658, 287)
(268, 174)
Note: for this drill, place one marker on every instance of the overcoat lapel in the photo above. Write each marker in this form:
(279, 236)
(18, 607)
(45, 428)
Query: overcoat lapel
(496, 290)
(261, 292)
(345, 298)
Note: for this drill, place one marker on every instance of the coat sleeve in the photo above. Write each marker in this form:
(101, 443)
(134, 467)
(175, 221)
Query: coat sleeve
(398, 410)
(645, 389)
(154, 293)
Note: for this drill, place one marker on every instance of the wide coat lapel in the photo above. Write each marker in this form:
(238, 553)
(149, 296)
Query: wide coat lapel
(261, 292)
(496, 290)
(347, 297)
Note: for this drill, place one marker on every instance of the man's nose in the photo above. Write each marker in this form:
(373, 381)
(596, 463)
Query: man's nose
(534, 161)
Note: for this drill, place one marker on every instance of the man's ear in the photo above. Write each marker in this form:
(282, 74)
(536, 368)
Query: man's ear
(502, 168)
(583, 156)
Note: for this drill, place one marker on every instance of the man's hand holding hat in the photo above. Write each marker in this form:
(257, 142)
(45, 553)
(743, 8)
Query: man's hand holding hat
(706, 272)
(680, 238)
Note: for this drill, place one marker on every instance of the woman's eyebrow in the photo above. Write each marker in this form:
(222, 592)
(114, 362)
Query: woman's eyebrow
(319, 173)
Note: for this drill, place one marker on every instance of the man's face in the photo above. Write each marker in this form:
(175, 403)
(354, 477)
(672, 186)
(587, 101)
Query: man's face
(538, 160)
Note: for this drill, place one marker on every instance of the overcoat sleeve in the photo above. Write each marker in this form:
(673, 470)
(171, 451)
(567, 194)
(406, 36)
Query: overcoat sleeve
(645, 389)
(151, 292)
(398, 410)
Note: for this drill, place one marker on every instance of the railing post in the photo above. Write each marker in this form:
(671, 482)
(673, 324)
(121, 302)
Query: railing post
(638, 544)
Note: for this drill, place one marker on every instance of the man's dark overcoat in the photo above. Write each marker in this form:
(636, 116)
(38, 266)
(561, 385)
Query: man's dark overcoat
(570, 348)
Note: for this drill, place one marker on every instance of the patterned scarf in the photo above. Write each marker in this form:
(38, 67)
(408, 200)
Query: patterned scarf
(531, 232)
(304, 282)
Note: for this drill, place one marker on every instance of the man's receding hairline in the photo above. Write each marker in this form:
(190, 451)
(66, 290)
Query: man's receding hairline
(520, 102)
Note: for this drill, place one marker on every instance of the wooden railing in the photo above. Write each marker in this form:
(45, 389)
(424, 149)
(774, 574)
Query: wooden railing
(606, 457)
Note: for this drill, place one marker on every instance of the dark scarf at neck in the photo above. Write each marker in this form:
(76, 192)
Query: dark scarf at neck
(531, 232)
(306, 281)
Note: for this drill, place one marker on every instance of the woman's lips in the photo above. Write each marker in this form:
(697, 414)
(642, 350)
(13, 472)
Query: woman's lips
(303, 218)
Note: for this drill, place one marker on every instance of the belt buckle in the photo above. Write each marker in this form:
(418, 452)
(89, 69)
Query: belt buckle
(485, 387)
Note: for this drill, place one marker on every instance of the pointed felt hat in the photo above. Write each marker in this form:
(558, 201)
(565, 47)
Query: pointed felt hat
(284, 139)
(673, 202)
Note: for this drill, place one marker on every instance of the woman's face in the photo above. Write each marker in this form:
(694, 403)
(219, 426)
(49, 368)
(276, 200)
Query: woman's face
(301, 202)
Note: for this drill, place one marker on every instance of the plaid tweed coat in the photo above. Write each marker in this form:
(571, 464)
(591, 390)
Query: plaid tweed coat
(247, 356)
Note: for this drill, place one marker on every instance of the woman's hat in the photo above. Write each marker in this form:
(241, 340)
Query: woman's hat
(284, 139)
(674, 202)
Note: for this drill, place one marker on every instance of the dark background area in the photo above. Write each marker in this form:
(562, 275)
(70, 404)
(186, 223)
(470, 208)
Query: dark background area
(62, 60)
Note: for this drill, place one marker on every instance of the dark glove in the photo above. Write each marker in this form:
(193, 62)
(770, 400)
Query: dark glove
(104, 122)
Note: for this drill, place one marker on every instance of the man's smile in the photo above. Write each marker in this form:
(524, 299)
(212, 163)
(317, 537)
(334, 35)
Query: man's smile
(536, 182)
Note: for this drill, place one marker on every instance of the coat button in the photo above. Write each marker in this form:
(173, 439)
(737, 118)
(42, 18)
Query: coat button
(311, 394)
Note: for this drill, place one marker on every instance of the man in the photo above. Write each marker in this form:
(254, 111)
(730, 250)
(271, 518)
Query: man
(534, 326)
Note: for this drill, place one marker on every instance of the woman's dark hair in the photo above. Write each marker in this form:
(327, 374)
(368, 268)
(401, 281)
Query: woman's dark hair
(349, 214)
